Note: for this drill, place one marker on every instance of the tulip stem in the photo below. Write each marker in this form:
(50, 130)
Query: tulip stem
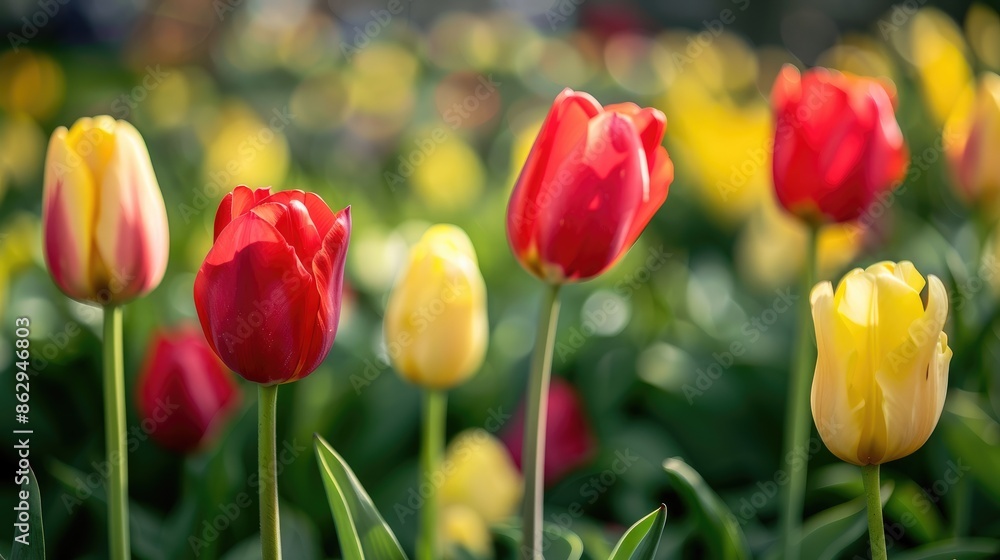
(876, 531)
(114, 434)
(431, 453)
(797, 422)
(533, 452)
(267, 454)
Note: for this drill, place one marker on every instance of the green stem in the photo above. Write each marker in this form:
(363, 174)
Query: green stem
(267, 455)
(431, 453)
(876, 531)
(533, 450)
(798, 424)
(114, 434)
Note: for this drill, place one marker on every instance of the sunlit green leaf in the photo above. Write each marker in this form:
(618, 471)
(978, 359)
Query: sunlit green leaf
(361, 530)
(642, 539)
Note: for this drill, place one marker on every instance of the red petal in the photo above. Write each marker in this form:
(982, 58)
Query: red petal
(64, 262)
(660, 177)
(563, 128)
(294, 224)
(328, 271)
(320, 213)
(584, 225)
(651, 124)
(887, 153)
(235, 204)
(254, 298)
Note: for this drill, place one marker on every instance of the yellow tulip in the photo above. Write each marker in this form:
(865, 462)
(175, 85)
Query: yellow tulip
(104, 221)
(480, 474)
(972, 140)
(435, 323)
(882, 369)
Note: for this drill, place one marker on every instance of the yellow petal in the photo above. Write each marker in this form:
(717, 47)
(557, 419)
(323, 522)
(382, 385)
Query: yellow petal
(838, 418)
(915, 380)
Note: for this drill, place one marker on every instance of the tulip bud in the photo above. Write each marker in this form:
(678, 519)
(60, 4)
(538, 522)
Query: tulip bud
(972, 142)
(593, 180)
(269, 292)
(882, 366)
(480, 474)
(184, 391)
(568, 439)
(435, 323)
(837, 146)
(105, 225)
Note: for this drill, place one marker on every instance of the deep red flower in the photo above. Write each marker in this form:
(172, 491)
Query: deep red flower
(593, 180)
(837, 145)
(269, 292)
(185, 393)
(569, 442)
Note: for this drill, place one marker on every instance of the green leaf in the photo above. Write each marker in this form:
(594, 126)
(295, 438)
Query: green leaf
(34, 547)
(721, 531)
(828, 533)
(558, 542)
(642, 538)
(360, 528)
(966, 549)
(972, 436)
(908, 504)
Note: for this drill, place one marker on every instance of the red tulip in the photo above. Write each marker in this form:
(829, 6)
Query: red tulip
(837, 146)
(593, 180)
(185, 393)
(269, 292)
(568, 439)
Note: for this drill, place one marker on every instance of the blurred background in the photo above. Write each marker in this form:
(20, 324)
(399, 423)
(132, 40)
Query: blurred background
(416, 112)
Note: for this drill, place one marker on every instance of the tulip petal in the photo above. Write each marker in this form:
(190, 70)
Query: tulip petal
(328, 273)
(651, 123)
(566, 123)
(610, 180)
(294, 224)
(915, 379)
(660, 178)
(131, 232)
(454, 289)
(68, 210)
(235, 204)
(887, 154)
(837, 416)
(319, 212)
(254, 300)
